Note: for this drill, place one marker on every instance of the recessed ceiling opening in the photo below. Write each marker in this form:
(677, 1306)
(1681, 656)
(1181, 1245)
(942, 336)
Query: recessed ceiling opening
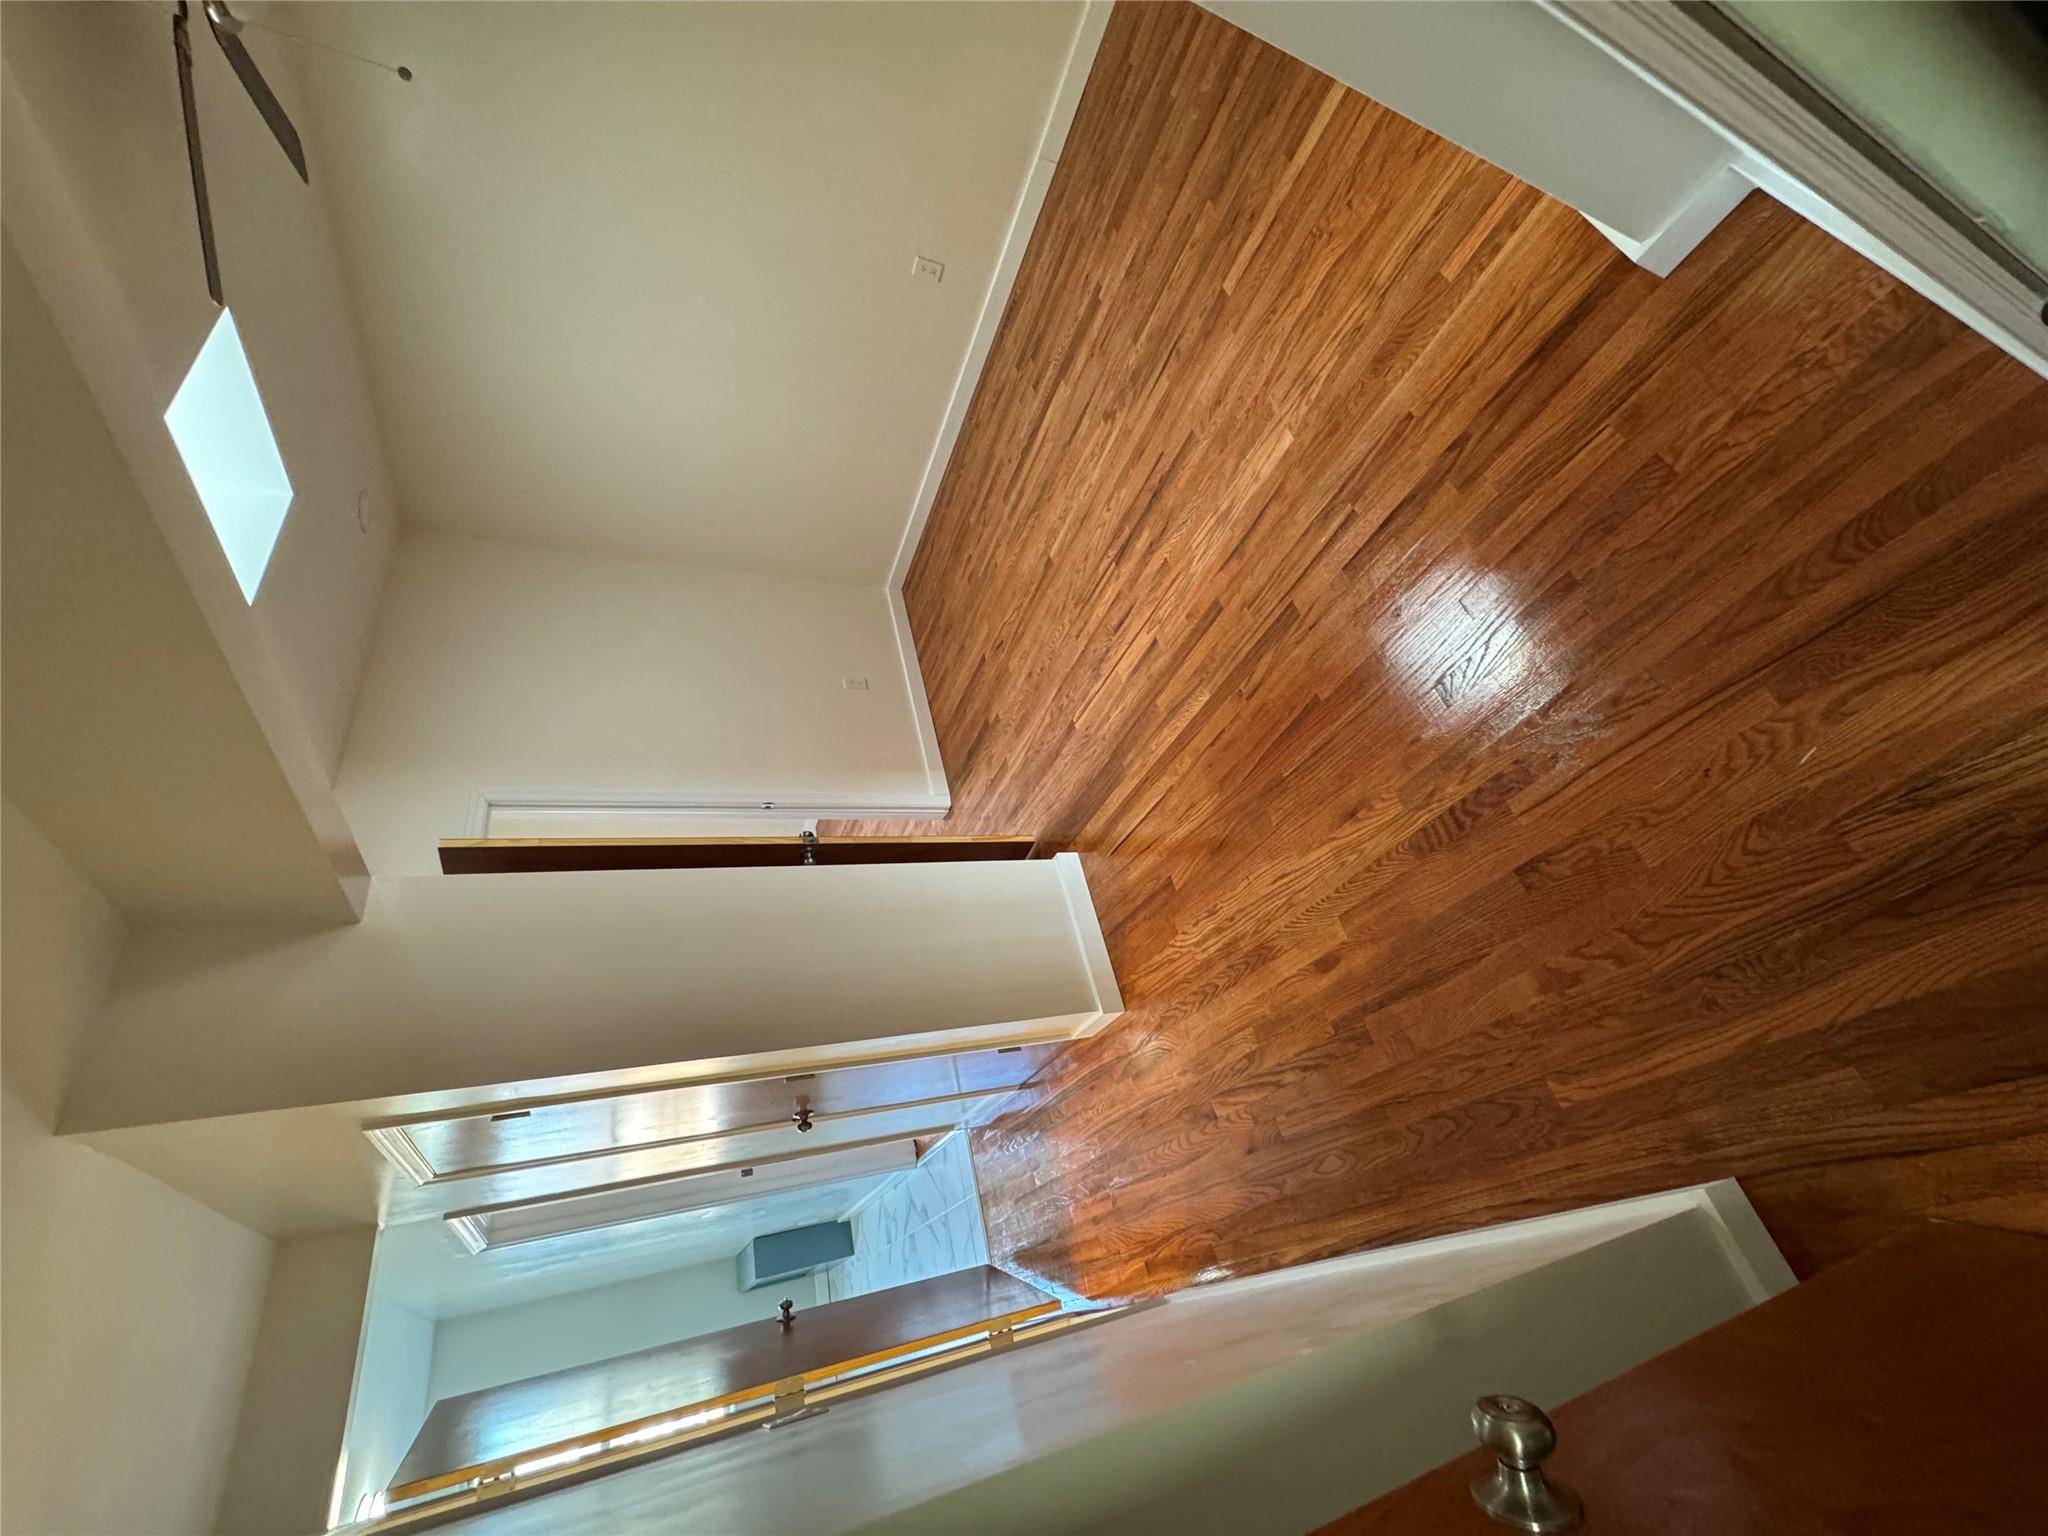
(216, 419)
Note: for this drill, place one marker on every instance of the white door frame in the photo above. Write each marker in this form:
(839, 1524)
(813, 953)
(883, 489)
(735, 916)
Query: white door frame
(1797, 156)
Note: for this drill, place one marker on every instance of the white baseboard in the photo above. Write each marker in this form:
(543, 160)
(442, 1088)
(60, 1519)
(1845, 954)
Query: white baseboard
(1109, 998)
(1052, 142)
(1748, 1245)
(1023, 219)
(1868, 244)
(936, 785)
(1798, 158)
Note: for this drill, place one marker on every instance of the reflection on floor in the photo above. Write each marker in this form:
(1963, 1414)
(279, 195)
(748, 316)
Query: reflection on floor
(1536, 732)
(926, 1221)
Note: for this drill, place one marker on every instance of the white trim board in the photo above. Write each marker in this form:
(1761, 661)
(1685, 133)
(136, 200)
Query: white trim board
(578, 810)
(1087, 925)
(936, 786)
(1052, 142)
(1752, 1257)
(1817, 210)
(1080, 59)
(1795, 156)
(1696, 218)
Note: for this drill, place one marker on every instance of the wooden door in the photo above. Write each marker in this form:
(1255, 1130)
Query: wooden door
(498, 1137)
(534, 855)
(487, 1433)
(1896, 1394)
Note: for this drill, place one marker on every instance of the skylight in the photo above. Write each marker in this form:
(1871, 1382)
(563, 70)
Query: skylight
(217, 421)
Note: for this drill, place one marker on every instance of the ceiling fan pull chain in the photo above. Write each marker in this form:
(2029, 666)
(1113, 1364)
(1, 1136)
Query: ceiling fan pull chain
(218, 13)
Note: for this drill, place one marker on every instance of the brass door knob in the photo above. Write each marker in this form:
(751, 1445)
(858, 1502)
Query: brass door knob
(1515, 1493)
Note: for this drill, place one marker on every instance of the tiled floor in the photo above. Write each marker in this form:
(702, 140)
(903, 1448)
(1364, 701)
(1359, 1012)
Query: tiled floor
(924, 1222)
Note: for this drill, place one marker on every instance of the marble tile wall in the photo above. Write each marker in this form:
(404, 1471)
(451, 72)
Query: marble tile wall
(924, 1222)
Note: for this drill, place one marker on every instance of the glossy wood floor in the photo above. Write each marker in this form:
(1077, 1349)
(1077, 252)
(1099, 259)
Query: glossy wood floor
(1538, 733)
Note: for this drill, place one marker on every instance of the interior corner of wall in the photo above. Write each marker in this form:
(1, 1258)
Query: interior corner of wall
(1089, 28)
(937, 788)
(1698, 213)
(1109, 998)
(1631, 248)
(1751, 1251)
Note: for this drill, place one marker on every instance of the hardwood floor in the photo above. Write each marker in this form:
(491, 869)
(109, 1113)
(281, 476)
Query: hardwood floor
(1537, 733)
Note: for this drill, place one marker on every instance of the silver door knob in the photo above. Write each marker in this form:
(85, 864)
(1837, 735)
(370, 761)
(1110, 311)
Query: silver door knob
(1515, 1493)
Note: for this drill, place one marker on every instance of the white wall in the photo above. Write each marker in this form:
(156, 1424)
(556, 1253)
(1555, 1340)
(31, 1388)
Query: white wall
(294, 1416)
(100, 201)
(119, 701)
(486, 1349)
(481, 979)
(639, 276)
(502, 666)
(1960, 94)
(61, 941)
(389, 1401)
(128, 1312)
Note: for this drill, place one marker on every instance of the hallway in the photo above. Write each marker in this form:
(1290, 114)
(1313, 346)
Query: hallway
(1537, 733)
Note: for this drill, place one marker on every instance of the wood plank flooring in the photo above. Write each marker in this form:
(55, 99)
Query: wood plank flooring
(1536, 733)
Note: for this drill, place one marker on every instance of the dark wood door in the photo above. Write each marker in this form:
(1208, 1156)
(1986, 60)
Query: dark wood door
(504, 1136)
(534, 855)
(1896, 1394)
(481, 1434)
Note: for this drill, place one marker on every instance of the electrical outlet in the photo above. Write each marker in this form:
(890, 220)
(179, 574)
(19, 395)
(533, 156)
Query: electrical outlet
(930, 268)
(854, 684)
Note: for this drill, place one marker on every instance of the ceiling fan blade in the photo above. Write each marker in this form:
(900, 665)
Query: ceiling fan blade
(181, 42)
(259, 91)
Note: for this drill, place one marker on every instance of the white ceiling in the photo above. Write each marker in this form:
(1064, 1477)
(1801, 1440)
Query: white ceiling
(638, 276)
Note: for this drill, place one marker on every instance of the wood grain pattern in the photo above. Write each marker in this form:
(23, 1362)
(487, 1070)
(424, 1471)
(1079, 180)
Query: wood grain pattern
(542, 855)
(1538, 733)
(486, 1431)
(524, 1133)
(1873, 1402)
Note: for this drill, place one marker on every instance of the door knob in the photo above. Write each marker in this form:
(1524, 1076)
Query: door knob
(1515, 1492)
